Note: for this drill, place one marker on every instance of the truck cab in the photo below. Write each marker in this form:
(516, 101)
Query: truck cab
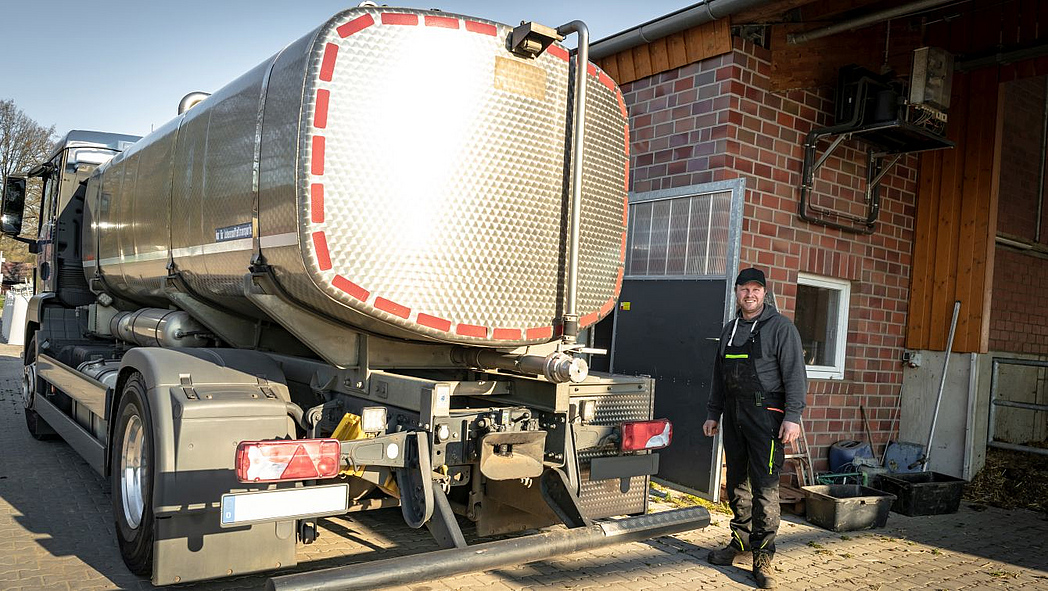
(71, 162)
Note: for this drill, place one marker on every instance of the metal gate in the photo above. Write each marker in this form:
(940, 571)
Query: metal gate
(682, 249)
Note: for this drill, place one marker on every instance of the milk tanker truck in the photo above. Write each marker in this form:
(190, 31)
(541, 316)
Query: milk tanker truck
(357, 277)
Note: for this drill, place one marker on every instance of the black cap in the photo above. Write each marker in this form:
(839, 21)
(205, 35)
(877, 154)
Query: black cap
(751, 274)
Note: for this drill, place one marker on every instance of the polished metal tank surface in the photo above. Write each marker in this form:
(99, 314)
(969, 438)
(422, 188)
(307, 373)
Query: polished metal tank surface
(400, 171)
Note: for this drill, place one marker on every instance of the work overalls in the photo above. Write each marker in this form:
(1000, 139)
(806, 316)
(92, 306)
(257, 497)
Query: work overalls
(752, 449)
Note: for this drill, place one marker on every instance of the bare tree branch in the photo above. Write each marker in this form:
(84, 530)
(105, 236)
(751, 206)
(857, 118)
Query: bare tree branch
(23, 144)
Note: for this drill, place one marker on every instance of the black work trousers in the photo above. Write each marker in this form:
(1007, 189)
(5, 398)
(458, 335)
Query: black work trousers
(753, 454)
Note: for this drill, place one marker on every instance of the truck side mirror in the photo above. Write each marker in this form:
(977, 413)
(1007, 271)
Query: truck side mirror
(13, 206)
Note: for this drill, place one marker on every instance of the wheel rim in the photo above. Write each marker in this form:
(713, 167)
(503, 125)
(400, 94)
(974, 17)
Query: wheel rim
(134, 469)
(28, 385)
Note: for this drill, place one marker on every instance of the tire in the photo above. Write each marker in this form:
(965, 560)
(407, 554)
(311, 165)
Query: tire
(132, 465)
(33, 388)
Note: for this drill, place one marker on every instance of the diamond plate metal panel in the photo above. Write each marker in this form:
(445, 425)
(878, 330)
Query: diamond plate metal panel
(450, 223)
(603, 498)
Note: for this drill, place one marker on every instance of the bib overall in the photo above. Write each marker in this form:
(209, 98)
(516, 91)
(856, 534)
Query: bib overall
(752, 449)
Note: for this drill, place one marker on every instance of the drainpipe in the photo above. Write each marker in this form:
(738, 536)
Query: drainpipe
(867, 20)
(675, 22)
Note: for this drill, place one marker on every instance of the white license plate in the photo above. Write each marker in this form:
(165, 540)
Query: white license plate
(280, 505)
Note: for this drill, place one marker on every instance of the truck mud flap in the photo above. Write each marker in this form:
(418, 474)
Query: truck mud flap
(439, 564)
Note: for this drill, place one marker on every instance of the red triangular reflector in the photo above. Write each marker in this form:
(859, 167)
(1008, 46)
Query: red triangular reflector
(301, 466)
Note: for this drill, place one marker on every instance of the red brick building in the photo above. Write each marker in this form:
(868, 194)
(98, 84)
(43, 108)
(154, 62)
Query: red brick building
(713, 101)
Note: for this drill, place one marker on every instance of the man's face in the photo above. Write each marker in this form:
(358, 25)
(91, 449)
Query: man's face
(750, 297)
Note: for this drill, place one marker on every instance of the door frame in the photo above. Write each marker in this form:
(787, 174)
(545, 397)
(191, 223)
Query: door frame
(731, 268)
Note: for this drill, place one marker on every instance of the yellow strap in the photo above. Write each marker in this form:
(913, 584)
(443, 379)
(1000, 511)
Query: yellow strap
(771, 457)
(739, 538)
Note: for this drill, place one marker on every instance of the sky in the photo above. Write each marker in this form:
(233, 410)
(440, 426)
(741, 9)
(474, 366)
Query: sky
(122, 65)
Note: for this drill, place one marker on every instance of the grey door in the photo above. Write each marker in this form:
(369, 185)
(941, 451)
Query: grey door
(682, 247)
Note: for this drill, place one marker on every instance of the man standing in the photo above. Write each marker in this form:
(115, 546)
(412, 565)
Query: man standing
(759, 385)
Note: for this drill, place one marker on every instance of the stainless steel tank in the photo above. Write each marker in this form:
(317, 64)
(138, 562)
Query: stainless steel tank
(399, 170)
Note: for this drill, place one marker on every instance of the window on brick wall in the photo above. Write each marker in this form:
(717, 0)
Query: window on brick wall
(822, 319)
(679, 236)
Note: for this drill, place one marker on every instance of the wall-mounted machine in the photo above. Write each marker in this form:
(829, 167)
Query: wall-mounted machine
(889, 121)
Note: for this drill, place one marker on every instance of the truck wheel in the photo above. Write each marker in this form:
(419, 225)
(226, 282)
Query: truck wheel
(33, 387)
(131, 477)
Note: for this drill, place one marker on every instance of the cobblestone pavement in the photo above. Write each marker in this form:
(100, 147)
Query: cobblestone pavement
(56, 533)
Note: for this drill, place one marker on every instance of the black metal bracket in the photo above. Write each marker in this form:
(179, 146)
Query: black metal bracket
(443, 525)
(561, 498)
(887, 141)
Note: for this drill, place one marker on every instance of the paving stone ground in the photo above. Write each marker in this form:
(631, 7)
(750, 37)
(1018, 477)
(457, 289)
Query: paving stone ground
(56, 533)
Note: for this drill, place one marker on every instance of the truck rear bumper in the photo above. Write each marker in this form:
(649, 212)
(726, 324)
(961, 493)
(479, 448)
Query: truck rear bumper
(443, 563)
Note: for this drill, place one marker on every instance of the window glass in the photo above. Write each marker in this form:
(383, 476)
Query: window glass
(822, 320)
(680, 236)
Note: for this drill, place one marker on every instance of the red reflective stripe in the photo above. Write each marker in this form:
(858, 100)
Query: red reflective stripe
(558, 52)
(434, 322)
(442, 22)
(588, 319)
(355, 26)
(392, 307)
(321, 248)
(471, 330)
(622, 104)
(506, 334)
(592, 69)
(397, 18)
(316, 203)
(622, 249)
(539, 332)
(606, 81)
(327, 66)
(776, 410)
(482, 28)
(351, 288)
(618, 282)
(316, 164)
(320, 113)
(608, 305)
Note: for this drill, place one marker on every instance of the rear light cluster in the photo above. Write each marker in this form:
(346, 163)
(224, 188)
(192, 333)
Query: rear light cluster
(641, 435)
(292, 459)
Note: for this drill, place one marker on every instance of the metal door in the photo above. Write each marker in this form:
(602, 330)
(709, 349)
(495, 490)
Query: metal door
(683, 247)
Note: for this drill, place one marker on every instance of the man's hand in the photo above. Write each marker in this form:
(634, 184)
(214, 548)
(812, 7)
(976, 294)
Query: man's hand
(710, 428)
(788, 432)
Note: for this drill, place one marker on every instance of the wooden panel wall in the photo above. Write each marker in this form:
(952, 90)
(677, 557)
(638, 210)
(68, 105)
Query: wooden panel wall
(680, 49)
(957, 222)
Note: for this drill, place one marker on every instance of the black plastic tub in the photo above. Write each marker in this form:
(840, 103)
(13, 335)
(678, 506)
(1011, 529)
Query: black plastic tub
(847, 507)
(923, 493)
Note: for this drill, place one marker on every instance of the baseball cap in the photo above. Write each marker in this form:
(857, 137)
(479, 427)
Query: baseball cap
(751, 274)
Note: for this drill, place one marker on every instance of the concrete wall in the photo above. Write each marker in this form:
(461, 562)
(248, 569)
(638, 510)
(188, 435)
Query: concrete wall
(952, 449)
(962, 428)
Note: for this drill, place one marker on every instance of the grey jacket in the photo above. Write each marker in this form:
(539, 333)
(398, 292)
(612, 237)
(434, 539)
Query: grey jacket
(780, 368)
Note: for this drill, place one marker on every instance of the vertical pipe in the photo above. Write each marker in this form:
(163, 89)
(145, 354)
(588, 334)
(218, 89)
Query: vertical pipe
(571, 315)
(942, 384)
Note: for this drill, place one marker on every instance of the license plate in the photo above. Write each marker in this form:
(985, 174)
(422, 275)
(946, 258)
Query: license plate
(280, 505)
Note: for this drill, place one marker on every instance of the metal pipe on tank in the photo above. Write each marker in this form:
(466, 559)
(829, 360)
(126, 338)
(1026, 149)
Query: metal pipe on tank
(556, 367)
(157, 327)
(571, 314)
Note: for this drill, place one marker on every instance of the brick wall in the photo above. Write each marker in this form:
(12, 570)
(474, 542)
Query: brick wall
(718, 119)
(1020, 156)
(1019, 310)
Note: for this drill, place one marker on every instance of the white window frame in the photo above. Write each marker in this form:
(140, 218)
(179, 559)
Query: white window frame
(831, 372)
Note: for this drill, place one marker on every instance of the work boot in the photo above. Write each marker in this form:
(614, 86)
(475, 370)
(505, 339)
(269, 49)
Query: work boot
(725, 556)
(763, 570)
